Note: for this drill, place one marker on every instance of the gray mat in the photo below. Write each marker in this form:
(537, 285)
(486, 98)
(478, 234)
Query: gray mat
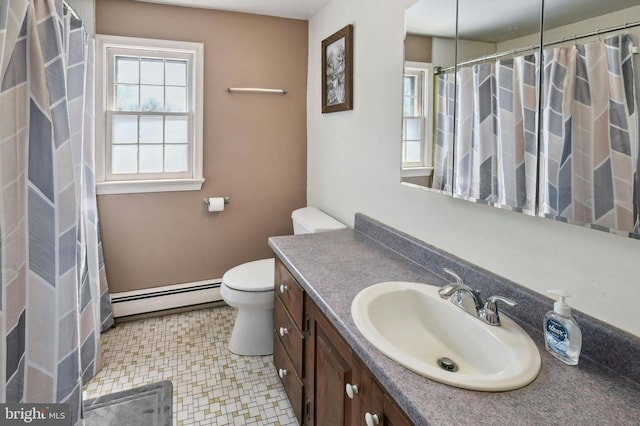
(148, 405)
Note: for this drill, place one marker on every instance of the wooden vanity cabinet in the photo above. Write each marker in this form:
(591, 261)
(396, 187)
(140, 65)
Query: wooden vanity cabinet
(316, 365)
(288, 341)
(329, 366)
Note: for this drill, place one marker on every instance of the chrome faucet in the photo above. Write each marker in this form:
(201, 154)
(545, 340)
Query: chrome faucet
(469, 300)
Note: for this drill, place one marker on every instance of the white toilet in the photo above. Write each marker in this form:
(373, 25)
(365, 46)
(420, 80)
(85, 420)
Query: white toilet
(249, 287)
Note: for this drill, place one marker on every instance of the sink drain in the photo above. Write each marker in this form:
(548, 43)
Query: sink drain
(448, 364)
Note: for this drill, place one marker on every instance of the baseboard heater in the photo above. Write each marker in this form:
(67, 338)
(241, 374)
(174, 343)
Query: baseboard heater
(167, 297)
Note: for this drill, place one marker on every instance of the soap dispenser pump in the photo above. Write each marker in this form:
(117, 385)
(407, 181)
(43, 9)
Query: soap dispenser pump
(562, 336)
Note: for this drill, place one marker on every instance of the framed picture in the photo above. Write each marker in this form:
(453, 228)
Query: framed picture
(337, 71)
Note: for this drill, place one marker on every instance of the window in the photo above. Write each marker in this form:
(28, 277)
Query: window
(149, 115)
(417, 127)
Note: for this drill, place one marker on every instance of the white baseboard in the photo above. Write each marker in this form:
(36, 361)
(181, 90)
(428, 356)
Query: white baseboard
(166, 297)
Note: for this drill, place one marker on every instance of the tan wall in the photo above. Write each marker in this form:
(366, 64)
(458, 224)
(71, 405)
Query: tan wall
(418, 180)
(417, 48)
(254, 149)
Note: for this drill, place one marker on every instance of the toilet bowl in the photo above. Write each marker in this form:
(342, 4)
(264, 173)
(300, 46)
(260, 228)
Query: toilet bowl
(249, 288)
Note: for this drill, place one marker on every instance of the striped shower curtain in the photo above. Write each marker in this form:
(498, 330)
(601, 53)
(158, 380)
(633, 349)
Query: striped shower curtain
(54, 298)
(589, 143)
(443, 151)
(496, 127)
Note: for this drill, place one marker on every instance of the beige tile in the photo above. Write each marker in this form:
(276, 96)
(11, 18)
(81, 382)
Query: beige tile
(211, 386)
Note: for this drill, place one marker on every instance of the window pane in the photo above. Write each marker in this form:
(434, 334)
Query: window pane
(150, 129)
(126, 70)
(124, 159)
(412, 128)
(124, 129)
(413, 152)
(175, 159)
(151, 71)
(409, 85)
(176, 99)
(409, 107)
(176, 73)
(151, 98)
(150, 158)
(176, 130)
(126, 98)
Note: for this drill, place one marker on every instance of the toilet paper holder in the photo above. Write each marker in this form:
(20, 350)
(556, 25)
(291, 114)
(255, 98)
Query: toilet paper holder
(206, 201)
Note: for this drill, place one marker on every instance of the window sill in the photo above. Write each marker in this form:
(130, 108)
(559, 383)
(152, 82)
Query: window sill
(140, 186)
(417, 171)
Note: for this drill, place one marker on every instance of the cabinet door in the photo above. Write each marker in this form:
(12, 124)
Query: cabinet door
(377, 409)
(372, 404)
(329, 367)
(393, 415)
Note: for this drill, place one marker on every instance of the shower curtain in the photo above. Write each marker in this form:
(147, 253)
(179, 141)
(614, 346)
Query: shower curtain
(443, 151)
(54, 297)
(588, 165)
(589, 143)
(496, 123)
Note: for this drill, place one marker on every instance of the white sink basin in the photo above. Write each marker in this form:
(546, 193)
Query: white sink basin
(414, 326)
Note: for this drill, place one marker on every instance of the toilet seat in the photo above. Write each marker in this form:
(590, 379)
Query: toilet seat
(256, 276)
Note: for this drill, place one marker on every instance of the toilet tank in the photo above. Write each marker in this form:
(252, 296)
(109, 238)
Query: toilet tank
(309, 220)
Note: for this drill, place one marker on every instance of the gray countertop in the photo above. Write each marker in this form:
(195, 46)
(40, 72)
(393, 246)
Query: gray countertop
(333, 267)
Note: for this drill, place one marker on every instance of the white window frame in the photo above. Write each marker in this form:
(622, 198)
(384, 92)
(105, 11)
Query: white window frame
(424, 71)
(107, 183)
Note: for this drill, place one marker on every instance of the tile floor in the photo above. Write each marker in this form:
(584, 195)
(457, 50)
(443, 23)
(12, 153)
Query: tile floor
(211, 386)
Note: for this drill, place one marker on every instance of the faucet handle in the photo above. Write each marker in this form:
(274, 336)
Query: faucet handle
(490, 311)
(448, 289)
(454, 275)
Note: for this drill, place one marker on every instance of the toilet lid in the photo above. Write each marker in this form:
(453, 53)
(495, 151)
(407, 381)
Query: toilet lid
(251, 276)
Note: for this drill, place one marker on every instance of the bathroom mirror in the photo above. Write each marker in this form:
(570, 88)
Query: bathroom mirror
(533, 163)
(430, 43)
(589, 129)
(487, 40)
(496, 133)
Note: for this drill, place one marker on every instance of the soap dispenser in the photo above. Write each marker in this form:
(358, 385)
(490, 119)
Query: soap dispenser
(562, 336)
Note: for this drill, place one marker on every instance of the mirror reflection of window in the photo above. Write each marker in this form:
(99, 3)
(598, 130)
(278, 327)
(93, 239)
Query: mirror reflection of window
(417, 118)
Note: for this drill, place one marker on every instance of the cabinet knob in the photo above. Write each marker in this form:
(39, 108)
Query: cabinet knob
(283, 288)
(371, 419)
(282, 372)
(352, 390)
(283, 331)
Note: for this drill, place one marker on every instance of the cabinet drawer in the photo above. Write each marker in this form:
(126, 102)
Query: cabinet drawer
(290, 293)
(289, 378)
(289, 335)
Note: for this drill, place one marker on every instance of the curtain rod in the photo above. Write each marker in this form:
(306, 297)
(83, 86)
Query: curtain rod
(440, 70)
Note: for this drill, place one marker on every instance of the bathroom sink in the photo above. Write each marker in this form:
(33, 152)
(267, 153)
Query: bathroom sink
(411, 324)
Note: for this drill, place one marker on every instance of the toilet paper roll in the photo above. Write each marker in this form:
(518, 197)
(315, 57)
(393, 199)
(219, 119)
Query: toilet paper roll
(216, 204)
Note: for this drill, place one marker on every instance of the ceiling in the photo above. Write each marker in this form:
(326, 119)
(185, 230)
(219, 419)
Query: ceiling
(295, 9)
(486, 20)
